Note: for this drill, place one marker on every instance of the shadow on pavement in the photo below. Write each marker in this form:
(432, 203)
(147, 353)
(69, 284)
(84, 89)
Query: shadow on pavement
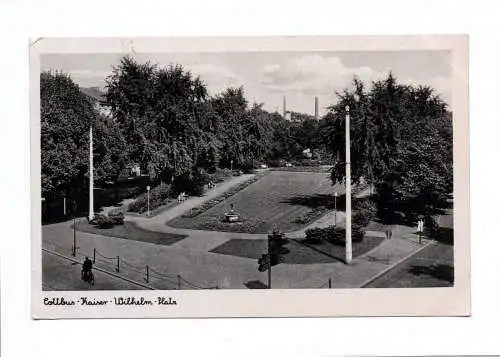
(445, 235)
(439, 271)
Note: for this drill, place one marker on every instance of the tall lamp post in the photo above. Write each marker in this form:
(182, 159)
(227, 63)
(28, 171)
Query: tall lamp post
(91, 176)
(348, 238)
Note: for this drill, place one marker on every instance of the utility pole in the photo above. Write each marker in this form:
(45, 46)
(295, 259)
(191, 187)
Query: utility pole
(91, 176)
(348, 238)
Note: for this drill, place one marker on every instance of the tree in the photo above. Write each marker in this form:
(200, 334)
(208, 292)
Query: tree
(163, 115)
(283, 144)
(365, 152)
(245, 133)
(66, 115)
(401, 141)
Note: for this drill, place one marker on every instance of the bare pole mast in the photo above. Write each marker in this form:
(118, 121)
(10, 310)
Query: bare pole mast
(91, 176)
(348, 238)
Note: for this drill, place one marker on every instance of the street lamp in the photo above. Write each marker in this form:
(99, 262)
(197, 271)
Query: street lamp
(335, 217)
(231, 165)
(148, 188)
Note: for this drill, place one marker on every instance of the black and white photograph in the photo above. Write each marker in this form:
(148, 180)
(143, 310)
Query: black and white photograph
(289, 169)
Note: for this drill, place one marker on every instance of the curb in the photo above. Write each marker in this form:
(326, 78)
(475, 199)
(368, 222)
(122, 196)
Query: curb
(386, 270)
(100, 269)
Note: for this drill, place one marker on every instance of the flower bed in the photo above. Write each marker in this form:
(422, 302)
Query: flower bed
(311, 216)
(214, 223)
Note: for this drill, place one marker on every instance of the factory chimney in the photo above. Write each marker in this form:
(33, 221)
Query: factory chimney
(316, 114)
(284, 106)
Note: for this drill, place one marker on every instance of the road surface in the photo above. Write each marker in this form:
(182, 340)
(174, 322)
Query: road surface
(63, 274)
(431, 267)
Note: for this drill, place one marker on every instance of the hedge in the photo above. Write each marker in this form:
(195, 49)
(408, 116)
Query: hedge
(333, 235)
(103, 221)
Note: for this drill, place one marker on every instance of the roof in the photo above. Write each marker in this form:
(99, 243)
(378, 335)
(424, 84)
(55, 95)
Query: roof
(95, 93)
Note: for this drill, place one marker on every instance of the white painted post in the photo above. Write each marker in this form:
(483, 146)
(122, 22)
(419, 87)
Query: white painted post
(348, 240)
(335, 217)
(91, 176)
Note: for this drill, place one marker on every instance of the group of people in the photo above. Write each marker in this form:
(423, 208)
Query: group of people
(182, 197)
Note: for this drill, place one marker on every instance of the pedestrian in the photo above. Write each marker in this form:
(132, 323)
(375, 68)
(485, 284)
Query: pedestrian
(420, 229)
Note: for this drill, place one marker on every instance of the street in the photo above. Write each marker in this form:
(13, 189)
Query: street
(64, 275)
(431, 267)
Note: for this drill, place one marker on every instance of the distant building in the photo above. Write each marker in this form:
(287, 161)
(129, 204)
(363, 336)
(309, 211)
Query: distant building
(96, 94)
(316, 108)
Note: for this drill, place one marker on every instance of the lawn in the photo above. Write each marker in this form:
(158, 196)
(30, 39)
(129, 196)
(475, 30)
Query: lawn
(129, 230)
(275, 201)
(296, 251)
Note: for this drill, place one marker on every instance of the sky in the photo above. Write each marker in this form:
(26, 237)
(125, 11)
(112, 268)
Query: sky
(269, 76)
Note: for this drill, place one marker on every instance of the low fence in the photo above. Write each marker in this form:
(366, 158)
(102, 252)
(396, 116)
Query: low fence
(148, 273)
(141, 273)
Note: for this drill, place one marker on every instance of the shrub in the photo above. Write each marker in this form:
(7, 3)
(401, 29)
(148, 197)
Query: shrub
(317, 235)
(365, 211)
(191, 182)
(333, 235)
(431, 228)
(220, 175)
(103, 221)
(157, 197)
(117, 211)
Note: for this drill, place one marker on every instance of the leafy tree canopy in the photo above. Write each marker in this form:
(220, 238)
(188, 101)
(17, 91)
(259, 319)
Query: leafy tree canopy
(66, 116)
(401, 142)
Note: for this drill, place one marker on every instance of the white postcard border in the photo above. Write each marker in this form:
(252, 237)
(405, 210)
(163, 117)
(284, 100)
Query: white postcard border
(453, 301)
